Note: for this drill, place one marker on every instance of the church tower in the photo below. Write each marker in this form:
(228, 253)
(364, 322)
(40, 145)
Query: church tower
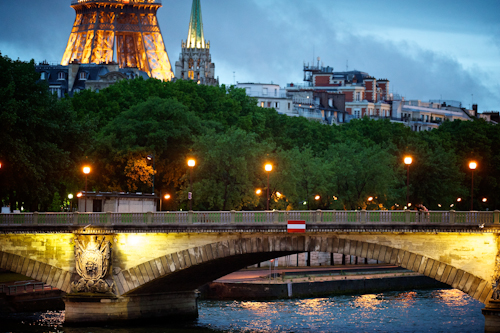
(129, 26)
(195, 62)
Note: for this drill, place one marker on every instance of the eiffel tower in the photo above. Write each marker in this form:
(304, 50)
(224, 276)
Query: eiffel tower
(130, 26)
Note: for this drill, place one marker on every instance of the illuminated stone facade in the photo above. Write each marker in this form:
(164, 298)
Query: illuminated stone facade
(195, 61)
(130, 26)
(152, 269)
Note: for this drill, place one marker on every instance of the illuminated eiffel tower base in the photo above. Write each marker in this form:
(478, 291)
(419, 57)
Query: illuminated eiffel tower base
(131, 24)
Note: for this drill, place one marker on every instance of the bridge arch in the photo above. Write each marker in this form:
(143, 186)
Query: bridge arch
(190, 268)
(37, 270)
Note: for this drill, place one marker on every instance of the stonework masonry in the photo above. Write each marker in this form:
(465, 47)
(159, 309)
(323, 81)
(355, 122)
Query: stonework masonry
(150, 263)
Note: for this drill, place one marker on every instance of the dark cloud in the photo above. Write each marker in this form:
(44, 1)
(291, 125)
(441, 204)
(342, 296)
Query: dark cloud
(269, 40)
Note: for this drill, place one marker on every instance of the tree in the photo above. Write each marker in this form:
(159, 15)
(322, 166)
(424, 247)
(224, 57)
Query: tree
(225, 171)
(41, 138)
(361, 170)
(163, 127)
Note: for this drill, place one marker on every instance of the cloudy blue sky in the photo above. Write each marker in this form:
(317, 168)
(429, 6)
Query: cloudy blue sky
(428, 49)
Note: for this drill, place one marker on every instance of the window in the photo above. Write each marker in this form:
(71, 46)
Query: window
(43, 76)
(268, 104)
(275, 92)
(277, 105)
(358, 96)
(288, 106)
(56, 91)
(61, 76)
(83, 75)
(357, 113)
(264, 91)
(261, 104)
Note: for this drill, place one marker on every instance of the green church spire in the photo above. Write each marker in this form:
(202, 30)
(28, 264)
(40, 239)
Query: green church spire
(195, 35)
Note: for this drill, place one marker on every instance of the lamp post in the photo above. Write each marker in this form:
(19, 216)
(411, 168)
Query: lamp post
(191, 164)
(70, 197)
(408, 161)
(472, 166)
(152, 158)
(268, 167)
(166, 197)
(86, 171)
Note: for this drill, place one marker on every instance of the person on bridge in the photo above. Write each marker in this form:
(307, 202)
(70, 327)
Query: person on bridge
(424, 212)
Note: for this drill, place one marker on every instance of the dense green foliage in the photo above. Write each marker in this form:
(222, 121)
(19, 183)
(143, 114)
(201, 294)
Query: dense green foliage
(44, 142)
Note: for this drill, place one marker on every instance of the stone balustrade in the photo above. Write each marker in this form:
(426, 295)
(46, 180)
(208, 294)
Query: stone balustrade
(481, 218)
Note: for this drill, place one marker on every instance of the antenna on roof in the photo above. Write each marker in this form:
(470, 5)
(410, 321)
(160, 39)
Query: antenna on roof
(347, 65)
(313, 56)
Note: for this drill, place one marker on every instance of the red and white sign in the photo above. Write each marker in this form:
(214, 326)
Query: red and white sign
(296, 226)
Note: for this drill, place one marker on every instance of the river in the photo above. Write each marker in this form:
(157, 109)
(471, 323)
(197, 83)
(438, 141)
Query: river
(439, 310)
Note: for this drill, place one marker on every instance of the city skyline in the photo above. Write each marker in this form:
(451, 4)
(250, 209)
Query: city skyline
(449, 50)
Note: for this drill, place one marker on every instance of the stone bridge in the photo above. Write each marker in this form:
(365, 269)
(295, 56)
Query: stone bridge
(132, 266)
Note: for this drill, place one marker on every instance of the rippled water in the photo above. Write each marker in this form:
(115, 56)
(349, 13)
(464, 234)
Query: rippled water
(446, 310)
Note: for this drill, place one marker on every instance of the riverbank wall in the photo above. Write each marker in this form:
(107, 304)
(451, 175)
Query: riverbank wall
(32, 302)
(273, 290)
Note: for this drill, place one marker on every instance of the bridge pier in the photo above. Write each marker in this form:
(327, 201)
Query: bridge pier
(95, 309)
(491, 315)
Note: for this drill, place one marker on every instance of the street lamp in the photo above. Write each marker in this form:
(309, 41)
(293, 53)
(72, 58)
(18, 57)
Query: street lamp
(70, 197)
(86, 171)
(191, 164)
(317, 197)
(268, 167)
(166, 197)
(152, 158)
(408, 161)
(472, 166)
(258, 191)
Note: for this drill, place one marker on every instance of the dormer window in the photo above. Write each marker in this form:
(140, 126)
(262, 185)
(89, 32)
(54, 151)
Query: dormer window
(61, 76)
(83, 75)
(43, 76)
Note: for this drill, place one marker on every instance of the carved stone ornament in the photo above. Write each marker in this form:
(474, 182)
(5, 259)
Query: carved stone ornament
(92, 263)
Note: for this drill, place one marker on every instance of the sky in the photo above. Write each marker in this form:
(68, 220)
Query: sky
(428, 49)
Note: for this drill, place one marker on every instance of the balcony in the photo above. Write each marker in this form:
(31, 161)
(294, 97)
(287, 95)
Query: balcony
(126, 2)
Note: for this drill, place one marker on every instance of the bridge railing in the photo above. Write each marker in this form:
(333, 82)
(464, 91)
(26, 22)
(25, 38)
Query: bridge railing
(252, 217)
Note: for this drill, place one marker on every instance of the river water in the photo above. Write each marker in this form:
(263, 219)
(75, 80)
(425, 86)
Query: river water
(439, 310)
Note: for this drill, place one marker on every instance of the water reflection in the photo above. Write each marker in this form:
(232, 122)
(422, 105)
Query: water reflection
(407, 299)
(369, 302)
(412, 311)
(452, 297)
